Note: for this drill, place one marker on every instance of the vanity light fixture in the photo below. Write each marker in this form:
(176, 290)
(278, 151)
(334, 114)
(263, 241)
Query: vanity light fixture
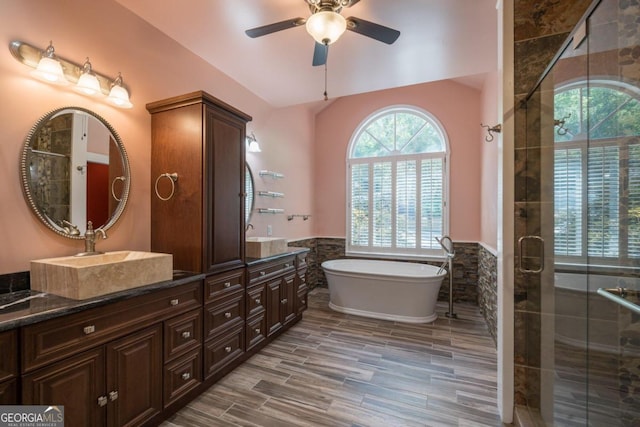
(88, 83)
(118, 95)
(253, 146)
(49, 68)
(57, 70)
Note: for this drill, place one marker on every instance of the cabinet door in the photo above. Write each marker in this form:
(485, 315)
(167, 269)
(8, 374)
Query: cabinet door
(134, 377)
(274, 307)
(288, 295)
(9, 392)
(76, 383)
(224, 194)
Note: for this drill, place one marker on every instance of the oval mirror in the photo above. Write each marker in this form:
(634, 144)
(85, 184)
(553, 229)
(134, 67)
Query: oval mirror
(74, 169)
(248, 190)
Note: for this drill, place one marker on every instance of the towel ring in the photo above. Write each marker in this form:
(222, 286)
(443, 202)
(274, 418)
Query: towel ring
(173, 177)
(113, 192)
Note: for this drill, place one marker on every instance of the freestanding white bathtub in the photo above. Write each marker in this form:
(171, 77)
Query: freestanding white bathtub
(389, 290)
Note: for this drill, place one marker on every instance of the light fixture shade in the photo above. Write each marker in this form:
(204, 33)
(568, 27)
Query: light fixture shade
(326, 26)
(254, 147)
(88, 83)
(118, 95)
(49, 68)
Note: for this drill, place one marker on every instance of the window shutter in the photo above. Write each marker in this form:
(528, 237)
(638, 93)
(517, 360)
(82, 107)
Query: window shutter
(568, 201)
(406, 204)
(382, 200)
(633, 244)
(432, 198)
(360, 204)
(603, 184)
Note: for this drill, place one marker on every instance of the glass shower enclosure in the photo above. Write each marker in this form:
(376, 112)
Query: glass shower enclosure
(579, 232)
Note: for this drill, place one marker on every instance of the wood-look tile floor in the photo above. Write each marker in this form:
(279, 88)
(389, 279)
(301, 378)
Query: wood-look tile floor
(334, 370)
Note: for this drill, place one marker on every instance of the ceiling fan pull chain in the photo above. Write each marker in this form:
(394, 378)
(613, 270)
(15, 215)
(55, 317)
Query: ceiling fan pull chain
(326, 97)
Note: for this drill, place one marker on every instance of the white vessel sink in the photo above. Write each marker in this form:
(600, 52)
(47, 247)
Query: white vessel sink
(91, 276)
(262, 247)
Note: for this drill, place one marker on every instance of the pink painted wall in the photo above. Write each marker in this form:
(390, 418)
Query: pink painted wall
(455, 105)
(286, 140)
(154, 67)
(489, 158)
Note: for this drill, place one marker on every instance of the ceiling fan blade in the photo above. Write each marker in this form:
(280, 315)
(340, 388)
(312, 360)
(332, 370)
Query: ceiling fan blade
(320, 53)
(375, 31)
(276, 26)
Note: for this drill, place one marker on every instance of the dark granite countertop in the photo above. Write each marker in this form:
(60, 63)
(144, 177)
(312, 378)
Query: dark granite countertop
(41, 306)
(24, 307)
(291, 250)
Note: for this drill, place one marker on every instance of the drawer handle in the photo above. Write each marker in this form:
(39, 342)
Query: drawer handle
(186, 335)
(257, 331)
(102, 401)
(262, 273)
(284, 301)
(227, 284)
(185, 376)
(89, 329)
(257, 300)
(174, 302)
(113, 395)
(228, 349)
(227, 314)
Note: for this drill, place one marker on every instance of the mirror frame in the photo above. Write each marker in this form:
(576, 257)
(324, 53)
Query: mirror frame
(25, 175)
(249, 178)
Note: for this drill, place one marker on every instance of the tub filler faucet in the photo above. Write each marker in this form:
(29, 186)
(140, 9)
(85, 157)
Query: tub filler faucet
(90, 240)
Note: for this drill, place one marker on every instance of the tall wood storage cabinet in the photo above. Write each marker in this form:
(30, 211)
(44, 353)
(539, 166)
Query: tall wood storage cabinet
(198, 216)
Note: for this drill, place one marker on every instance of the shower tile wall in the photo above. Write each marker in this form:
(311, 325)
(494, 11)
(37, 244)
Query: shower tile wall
(488, 288)
(540, 27)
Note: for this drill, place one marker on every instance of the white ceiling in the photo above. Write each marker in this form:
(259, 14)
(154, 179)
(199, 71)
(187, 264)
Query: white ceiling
(440, 39)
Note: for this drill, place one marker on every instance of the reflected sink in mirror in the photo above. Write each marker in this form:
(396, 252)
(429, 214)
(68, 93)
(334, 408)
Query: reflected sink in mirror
(87, 277)
(262, 247)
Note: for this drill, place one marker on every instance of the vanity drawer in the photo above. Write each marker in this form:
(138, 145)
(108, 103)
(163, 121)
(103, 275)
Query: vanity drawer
(268, 270)
(256, 299)
(221, 351)
(181, 376)
(223, 314)
(182, 333)
(221, 285)
(256, 331)
(9, 352)
(54, 339)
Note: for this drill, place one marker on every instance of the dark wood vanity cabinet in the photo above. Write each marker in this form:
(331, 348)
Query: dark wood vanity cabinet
(273, 292)
(202, 140)
(8, 367)
(120, 364)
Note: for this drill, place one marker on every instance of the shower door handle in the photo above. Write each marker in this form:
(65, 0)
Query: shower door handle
(521, 251)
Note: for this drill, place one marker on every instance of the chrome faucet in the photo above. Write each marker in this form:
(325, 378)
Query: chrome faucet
(90, 240)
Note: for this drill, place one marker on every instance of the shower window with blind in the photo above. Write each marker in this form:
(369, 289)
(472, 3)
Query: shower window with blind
(593, 216)
(397, 183)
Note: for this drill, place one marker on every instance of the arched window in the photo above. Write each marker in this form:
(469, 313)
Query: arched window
(597, 172)
(397, 183)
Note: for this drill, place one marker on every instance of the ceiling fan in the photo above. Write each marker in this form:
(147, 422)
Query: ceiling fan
(326, 25)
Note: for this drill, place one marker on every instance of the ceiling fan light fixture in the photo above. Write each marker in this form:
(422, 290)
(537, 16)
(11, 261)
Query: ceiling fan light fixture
(326, 26)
